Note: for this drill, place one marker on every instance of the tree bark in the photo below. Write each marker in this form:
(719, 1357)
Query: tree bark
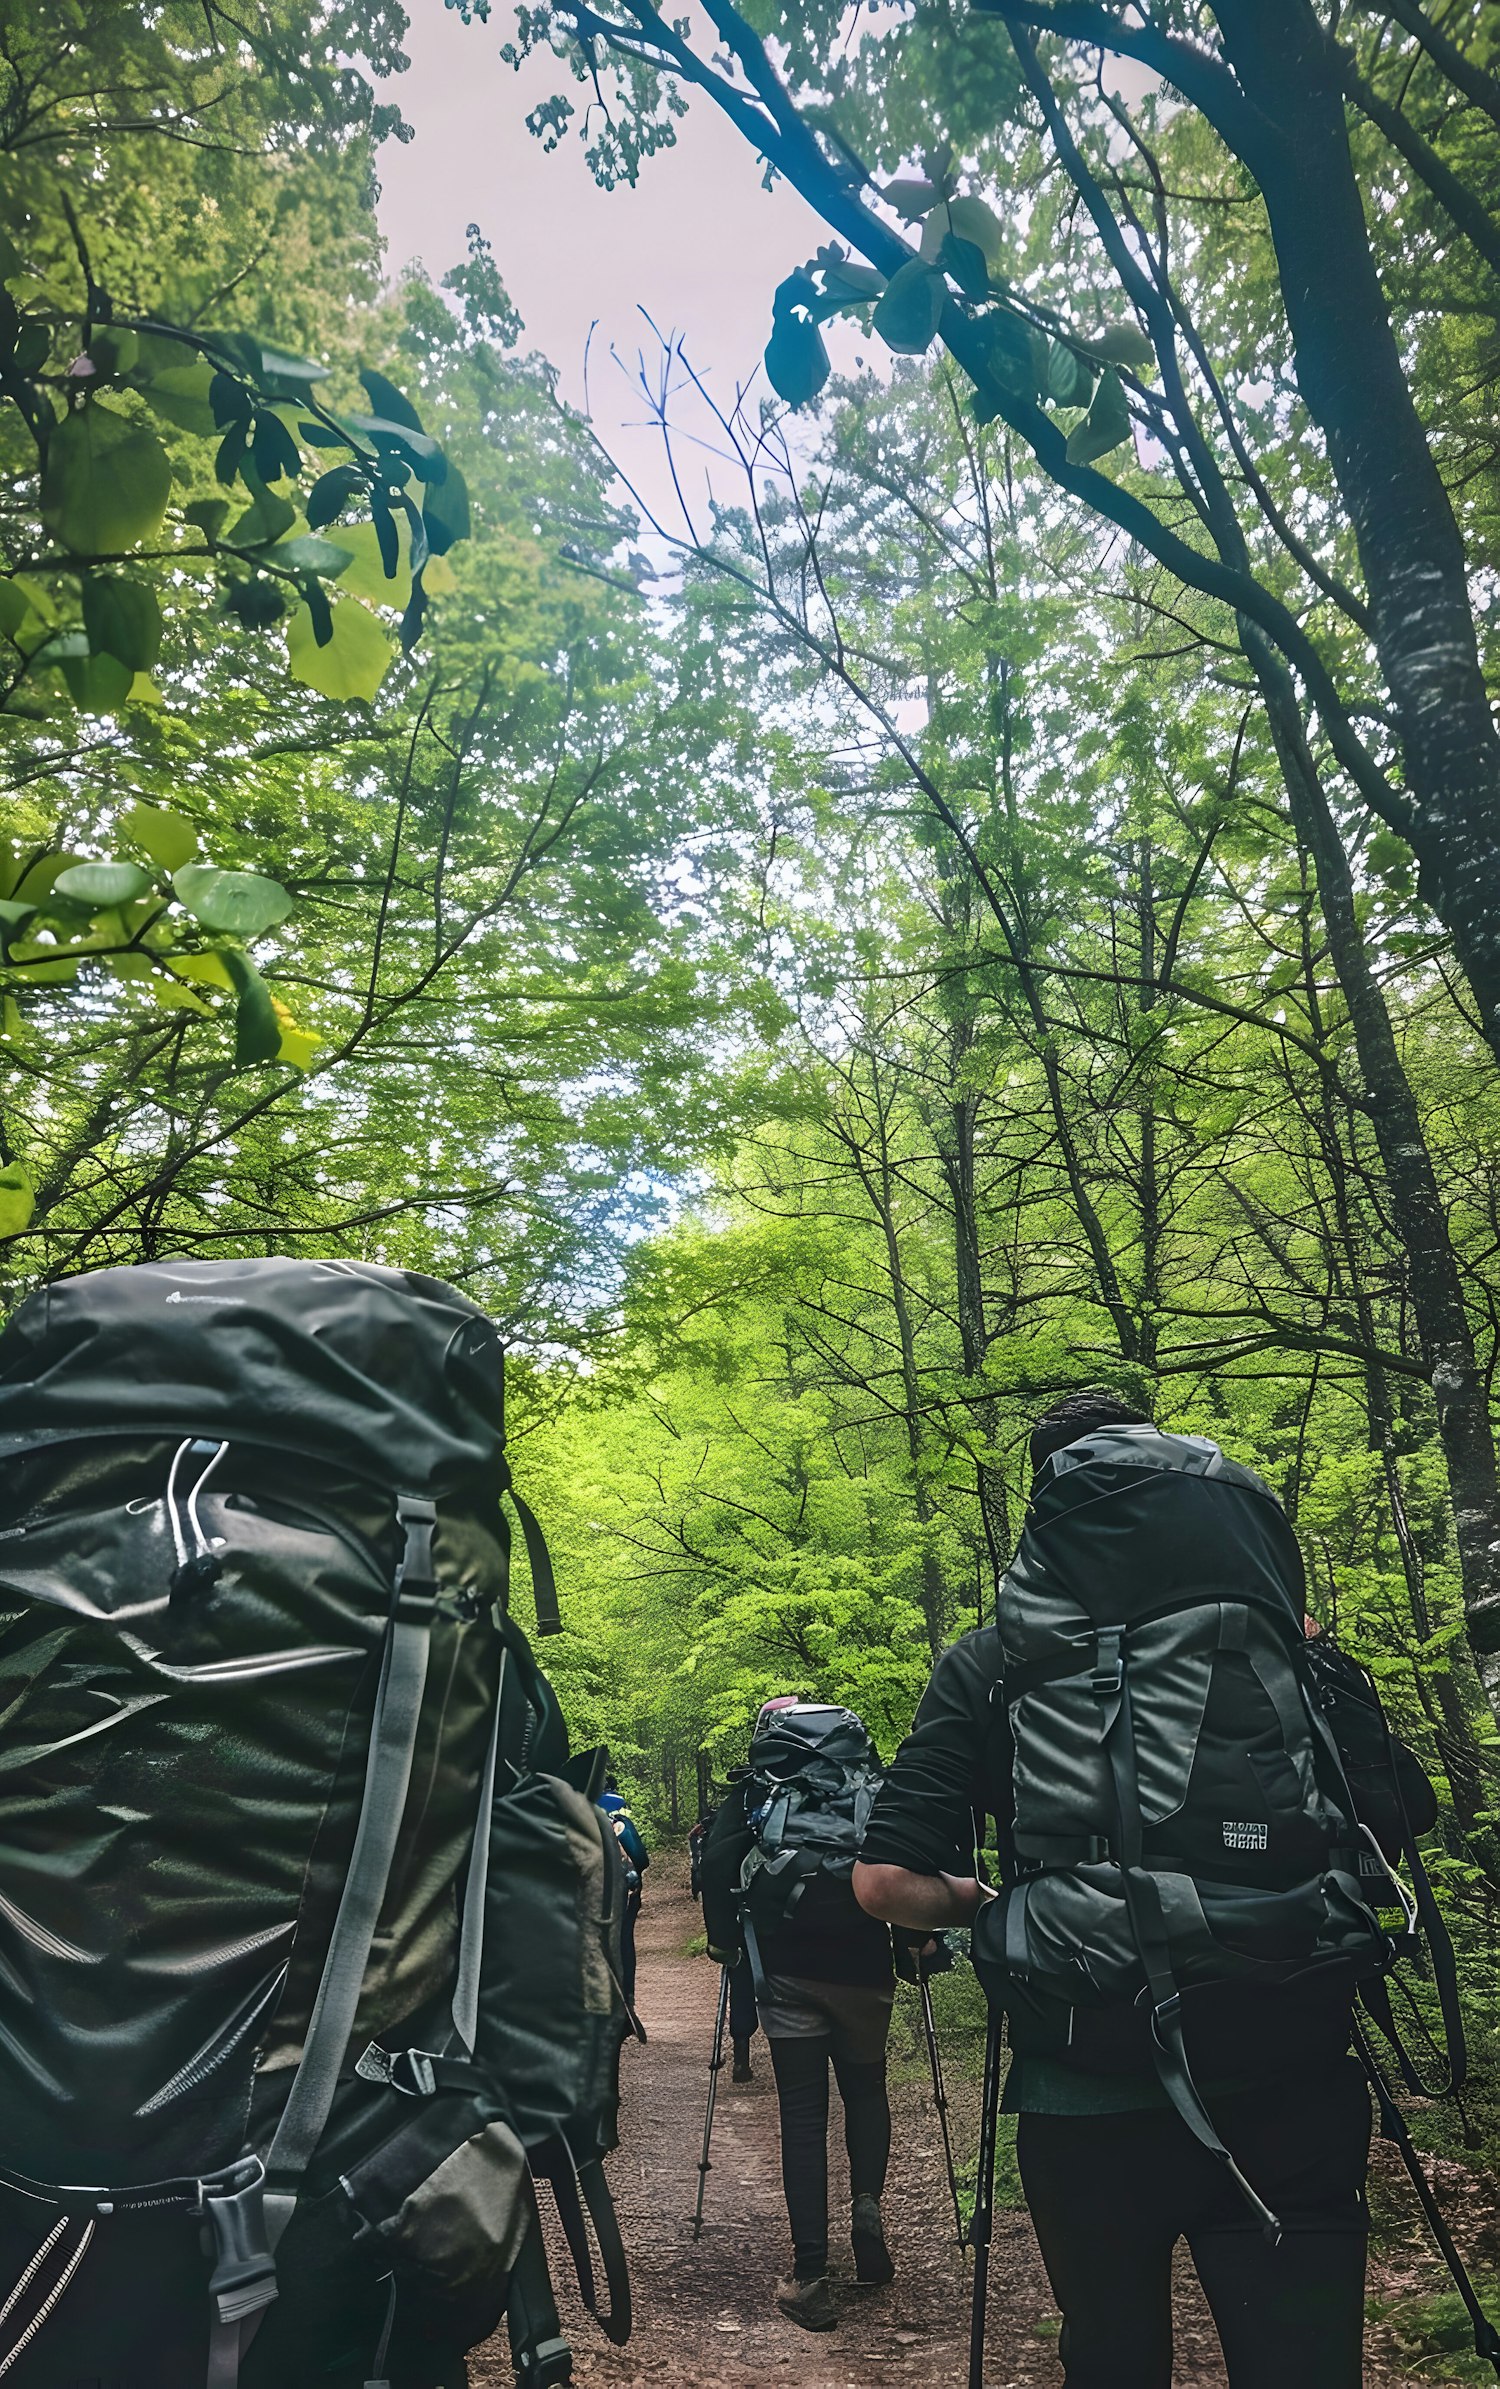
(1438, 1308)
(1352, 376)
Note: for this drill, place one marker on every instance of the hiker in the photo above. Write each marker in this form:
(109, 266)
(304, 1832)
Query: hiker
(743, 2020)
(1112, 2172)
(637, 1858)
(822, 1971)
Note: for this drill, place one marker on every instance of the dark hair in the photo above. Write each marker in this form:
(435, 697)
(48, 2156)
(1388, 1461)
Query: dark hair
(1080, 1414)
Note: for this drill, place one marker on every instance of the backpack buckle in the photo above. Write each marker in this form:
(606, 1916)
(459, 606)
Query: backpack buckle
(1108, 1675)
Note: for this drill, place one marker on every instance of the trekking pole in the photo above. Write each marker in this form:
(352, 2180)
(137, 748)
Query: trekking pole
(982, 2224)
(714, 2064)
(940, 2097)
(1393, 2128)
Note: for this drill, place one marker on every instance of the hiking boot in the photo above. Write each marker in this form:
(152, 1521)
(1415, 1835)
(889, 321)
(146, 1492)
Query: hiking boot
(872, 2258)
(810, 2303)
(742, 2070)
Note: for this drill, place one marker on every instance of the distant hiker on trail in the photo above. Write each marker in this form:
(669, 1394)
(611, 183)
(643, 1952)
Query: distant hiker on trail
(743, 2020)
(775, 1872)
(1181, 1861)
(637, 1858)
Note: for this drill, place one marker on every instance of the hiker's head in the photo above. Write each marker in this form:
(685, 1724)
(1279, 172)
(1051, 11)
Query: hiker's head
(1077, 1415)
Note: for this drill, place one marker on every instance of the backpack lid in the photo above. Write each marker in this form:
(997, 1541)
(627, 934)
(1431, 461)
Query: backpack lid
(346, 1363)
(1130, 1519)
(793, 1738)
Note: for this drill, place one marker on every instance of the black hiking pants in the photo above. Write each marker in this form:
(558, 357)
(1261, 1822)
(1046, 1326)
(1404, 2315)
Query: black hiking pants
(1111, 2195)
(811, 2025)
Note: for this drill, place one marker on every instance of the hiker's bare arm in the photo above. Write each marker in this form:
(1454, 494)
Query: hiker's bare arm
(923, 1903)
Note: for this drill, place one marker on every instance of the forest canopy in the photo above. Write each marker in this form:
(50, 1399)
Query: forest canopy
(1002, 901)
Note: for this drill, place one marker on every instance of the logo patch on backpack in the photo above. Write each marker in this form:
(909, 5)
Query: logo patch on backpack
(1239, 1835)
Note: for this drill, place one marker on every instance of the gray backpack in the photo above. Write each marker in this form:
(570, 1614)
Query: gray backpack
(1191, 1888)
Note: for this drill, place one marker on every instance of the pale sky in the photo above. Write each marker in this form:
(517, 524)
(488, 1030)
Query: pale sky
(698, 242)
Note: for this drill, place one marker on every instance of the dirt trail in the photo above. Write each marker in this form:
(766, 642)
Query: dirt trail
(704, 2315)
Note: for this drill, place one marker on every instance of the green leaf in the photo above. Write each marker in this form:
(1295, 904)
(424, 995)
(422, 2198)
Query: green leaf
(1105, 425)
(797, 363)
(161, 833)
(910, 308)
(365, 558)
(14, 916)
(114, 349)
(1011, 361)
(422, 454)
(1070, 379)
(1124, 344)
(207, 515)
(966, 220)
(445, 512)
(231, 903)
(286, 376)
(17, 1199)
(965, 264)
(123, 619)
(331, 493)
(257, 1031)
(101, 884)
(105, 483)
(911, 198)
(176, 383)
(387, 401)
(16, 610)
(97, 683)
(270, 517)
(352, 662)
(309, 553)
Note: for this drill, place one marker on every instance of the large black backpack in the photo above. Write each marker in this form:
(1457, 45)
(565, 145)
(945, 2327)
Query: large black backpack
(810, 1777)
(1191, 1886)
(309, 1929)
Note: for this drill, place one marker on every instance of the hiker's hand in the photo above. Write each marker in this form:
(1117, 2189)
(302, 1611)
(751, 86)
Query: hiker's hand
(923, 1903)
(724, 1957)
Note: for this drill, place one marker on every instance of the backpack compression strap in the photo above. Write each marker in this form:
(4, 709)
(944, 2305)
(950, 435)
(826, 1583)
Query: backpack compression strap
(393, 1736)
(1109, 1686)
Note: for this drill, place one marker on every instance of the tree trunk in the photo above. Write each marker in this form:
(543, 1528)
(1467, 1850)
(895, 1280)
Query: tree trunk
(1351, 374)
(1438, 1306)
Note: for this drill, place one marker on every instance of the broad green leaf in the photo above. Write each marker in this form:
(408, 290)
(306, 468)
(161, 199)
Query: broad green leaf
(910, 308)
(105, 483)
(13, 913)
(964, 263)
(1070, 381)
(17, 1199)
(232, 903)
(164, 835)
(299, 1048)
(1012, 361)
(12, 1026)
(355, 659)
(257, 1031)
(966, 220)
(365, 574)
(438, 577)
(445, 512)
(100, 884)
(97, 683)
(114, 349)
(122, 618)
(796, 360)
(309, 553)
(1124, 344)
(389, 402)
(911, 198)
(207, 968)
(45, 965)
(1105, 425)
(16, 610)
(173, 998)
